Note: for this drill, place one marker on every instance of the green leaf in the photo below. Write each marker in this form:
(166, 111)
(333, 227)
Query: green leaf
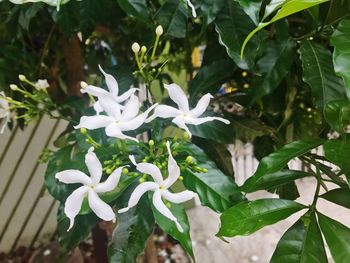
(210, 77)
(273, 67)
(131, 234)
(340, 196)
(337, 236)
(302, 243)
(215, 189)
(247, 217)
(341, 56)
(136, 8)
(173, 18)
(279, 159)
(251, 8)
(232, 25)
(319, 73)
(337, 10)
(288, 8)
(210, 9)
(272, 180)
(170, 228)
(337, 114)
(337, 152)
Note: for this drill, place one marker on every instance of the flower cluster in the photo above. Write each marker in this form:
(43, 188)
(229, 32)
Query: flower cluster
(4, 112)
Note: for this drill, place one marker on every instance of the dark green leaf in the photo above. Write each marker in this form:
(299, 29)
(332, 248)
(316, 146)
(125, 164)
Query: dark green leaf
(337, 114)
(341, 57)
(173, 18)
(251, 8)
(210, 9)
(247, 217)
(337, 152)
(319, 73)
(136, 8)
(337, 236)
(340, 196)
(338, 9)
(272, 180)
(302, 243)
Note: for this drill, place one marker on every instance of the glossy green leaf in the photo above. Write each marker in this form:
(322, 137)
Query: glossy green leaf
(131, 234)
(232, 25)
(273, 67)
(272, 180)
(319, 73)
(210, 9)
(273, 6)
(337, 237)
(287, 8)
(337, 152)
(302, 243)
(339, 196)
(337, 114)
(280, 158)
(170, 228)
(341, 56)
(337, 10)
(247, 217)
(251, 8)
(135, 8)
(173, 18)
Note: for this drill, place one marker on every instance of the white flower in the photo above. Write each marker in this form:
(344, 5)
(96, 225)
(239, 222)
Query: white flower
(91, 188)
(159, 187)
(116, 122)
(194, 14)
(113, 88)
(4, 112)
(183, 115)
(41, 84)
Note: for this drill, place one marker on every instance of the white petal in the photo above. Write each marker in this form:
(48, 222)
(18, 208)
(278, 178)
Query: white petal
(111, 182)
(152, 170)
(178, 198)
(126, 95)
(111, 82)
(163, 209)
(202, 105)
(98, 108)
(94, 122)
(100, 208)
(110, 105)
(136, 122)
(132, 108)
(194, 14)
(94, 166)
(164, 111)
(178, 96)
(95, 91)
(113, 130)
(180, 122)
(73, 177)
(173, 169)
(139, 191)
(198, 121)
(73, 204)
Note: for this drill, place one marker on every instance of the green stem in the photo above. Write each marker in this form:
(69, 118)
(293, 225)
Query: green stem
(155, 47)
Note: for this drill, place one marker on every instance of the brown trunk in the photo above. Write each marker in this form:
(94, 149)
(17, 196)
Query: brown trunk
(100, 241)
(151, 251)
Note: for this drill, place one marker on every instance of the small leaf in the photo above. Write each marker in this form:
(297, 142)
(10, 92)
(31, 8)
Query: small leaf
(301, 243)
(247, 217)
(210, 9)
(251, 8)
(337, 114)
(136, 8)
(319, 73)
(337, 236)
(338, 152)
(339, 196)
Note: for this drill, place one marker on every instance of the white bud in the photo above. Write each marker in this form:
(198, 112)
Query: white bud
(42, 84)
(143, 49)
(83, 85)
(22, 77)
(159, 30)
(135, 47)
(13, 87)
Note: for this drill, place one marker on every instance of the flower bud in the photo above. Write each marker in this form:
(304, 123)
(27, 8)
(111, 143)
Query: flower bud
(181, 178)
(186, 135)
(135, 47)
(142, 180)
(83, 131)
(205, 170)
(189, 159)
(159, 30)
(143, 49)
(125, 170)
(108, 171)
(151, 143)
(13, 87)
(22, 77)
(83, 85)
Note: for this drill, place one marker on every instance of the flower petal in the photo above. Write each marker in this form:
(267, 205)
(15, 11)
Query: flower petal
(111, 82)
(100, 208)
(180, 122)
(163, 209)
(73, 177)
(173, 169)
(178, 96)
(94, 166)
(110, 105)
(164, 111)
(95, 91)
(73, 204)
(139, 191)
(198, 121)
(135, 122)
(98, 108)
(132, 108)
(178, 198)
(152, 170)
(202, 105)
(94, 122)
(194, 13)
(126, 95)
(113, 130)
(111, 182)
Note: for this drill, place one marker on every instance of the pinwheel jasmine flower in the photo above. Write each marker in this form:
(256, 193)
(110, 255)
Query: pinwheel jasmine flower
(183, 115)
(194, 14)
(41, 84)
(4, 112)
(159, 187)
(116, 122)
(91, 188)
(113, 92)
